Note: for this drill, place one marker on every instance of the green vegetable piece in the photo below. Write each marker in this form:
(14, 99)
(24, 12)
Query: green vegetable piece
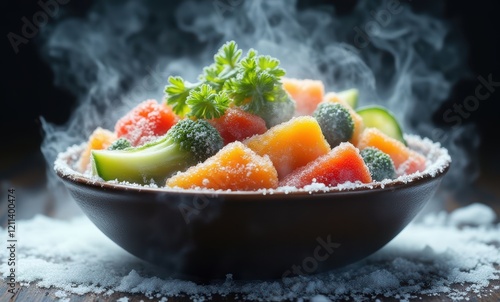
(185, 144)
(224, 67)
(120, 144)
(275, 113)
(335, 121)
(250, 83)
(257, 82)
(350, 96)
(379, 163)
(381, 118)
(205, 102)
(177, 92)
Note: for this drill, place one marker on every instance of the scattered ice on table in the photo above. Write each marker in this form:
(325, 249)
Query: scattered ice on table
(432, 257)
(320, 298)
(474, 214)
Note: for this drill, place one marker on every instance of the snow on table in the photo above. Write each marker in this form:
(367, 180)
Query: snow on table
(428, 258)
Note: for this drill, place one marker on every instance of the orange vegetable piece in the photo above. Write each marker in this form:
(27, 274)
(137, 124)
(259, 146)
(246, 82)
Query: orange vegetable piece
(99, 139)
(237, 124)
(306, 93)
(356, 118)
(145, 122)
(291, 145)
(234, 167)
(343, 163)
(405, 160)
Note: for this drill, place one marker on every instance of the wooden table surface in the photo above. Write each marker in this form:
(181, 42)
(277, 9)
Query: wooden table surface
(33, 293)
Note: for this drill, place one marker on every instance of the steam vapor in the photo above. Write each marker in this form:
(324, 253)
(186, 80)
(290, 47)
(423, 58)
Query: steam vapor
(122, 52)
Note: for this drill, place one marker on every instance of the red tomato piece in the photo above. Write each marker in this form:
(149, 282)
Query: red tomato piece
(237, 125)
(145, 122)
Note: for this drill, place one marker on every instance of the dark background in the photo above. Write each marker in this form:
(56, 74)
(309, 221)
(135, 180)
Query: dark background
(28, 91)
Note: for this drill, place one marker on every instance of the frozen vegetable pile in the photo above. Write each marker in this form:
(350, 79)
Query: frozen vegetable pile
(245, 126)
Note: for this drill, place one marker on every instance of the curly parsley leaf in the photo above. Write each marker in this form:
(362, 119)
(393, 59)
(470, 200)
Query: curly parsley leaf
(177, 92)
(248, 82)
(228, 55)
(224, 67)
(258, 81)
(271, 65)
(207, 103)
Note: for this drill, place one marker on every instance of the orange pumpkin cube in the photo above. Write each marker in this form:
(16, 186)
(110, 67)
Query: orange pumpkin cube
(292, 144)
(234, 167)
(307, 94)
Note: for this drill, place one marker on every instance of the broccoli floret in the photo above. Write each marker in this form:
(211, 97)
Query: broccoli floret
(185, 144)
(120, 144)
(379, 163)
(335, 121)
(277, 112)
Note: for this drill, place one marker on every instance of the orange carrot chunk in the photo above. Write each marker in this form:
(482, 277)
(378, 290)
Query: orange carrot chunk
(234, 167)
(356, 118)
(237, 124)
(98, 140)
(343, 163)
(306, 93)
(405, 160)
(291, 144)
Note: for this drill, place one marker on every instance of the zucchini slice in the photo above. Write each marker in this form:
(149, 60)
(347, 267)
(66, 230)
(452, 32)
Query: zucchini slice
(350, 96)
(381, 118)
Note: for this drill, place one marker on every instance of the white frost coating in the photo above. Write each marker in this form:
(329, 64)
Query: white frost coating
(437, 159)
(426, 259)
(474, 214)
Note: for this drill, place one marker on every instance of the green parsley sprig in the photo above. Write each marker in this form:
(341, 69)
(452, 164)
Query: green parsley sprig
(258, 81)
(247, 82)
(205, 102)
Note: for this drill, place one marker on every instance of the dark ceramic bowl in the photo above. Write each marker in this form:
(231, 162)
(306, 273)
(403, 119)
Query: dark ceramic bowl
(205, 235)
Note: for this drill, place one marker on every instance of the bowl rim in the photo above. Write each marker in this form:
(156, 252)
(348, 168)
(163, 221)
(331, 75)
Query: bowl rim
(63, 160)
